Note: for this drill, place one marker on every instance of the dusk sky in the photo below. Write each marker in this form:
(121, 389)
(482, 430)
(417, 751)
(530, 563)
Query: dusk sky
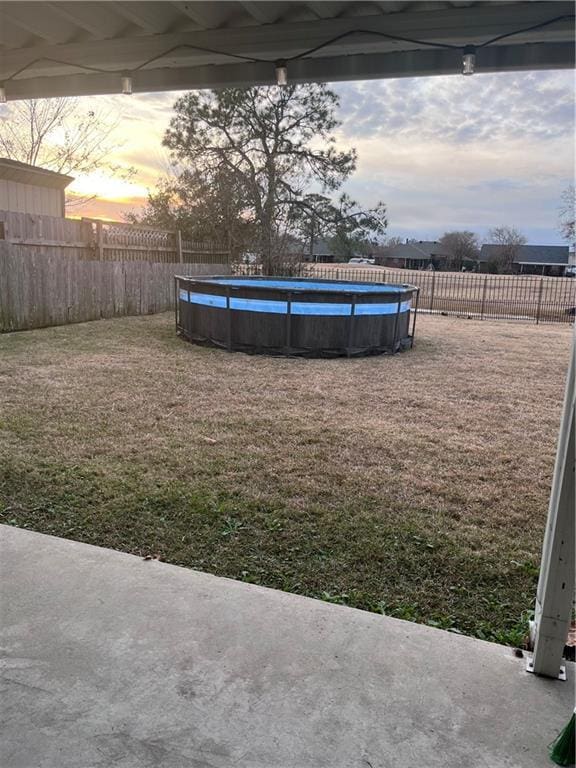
(443, 153)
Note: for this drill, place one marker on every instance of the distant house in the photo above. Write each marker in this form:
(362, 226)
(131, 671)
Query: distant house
(531, 259)
(321, 252)
(28, 189)
(422, 254)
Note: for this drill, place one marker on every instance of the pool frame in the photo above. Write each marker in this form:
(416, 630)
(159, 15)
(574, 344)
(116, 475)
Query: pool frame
(259, 309)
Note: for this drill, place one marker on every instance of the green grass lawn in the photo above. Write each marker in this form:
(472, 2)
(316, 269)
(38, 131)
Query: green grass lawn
(413, 485)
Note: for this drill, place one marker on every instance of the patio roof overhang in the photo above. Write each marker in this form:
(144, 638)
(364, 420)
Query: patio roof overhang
(82, 48)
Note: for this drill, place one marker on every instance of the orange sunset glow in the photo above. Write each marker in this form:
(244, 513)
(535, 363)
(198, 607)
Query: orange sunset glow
(137, 138)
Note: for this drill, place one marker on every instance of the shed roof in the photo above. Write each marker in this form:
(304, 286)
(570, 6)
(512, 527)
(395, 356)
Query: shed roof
(13, 170)
(530, 254)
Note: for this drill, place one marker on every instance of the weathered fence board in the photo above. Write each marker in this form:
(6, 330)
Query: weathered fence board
(37, 290)
(48, 235)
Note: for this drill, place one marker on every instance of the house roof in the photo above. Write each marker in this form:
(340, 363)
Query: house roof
(423, 250)
(530, 254)
(321, 248)
(12, 170)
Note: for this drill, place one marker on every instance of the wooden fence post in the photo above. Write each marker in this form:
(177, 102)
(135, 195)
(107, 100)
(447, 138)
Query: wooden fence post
(99, 241)
(178, 236)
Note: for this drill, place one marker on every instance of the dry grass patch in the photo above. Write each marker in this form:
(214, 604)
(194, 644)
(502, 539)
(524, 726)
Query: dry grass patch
(415, 485)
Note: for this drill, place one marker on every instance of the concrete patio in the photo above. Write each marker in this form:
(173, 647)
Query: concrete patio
(110, 660)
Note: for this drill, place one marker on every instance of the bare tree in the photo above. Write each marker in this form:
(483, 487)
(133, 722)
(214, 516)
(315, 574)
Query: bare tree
(509, 241)
(461, 246)
(568, 214)
(273, 141)
(63, 136)
(393, 241)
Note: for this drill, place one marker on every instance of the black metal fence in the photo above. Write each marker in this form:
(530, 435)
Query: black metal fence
(505, 297)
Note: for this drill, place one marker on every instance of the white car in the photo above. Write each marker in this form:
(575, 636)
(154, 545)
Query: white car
(361, 260)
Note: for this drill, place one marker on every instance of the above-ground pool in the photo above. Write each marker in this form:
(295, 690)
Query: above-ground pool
(296, 316)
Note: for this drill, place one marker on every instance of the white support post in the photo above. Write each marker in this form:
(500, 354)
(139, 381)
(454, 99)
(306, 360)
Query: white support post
(556, 583)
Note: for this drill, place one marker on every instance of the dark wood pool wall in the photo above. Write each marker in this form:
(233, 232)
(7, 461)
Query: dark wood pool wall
(313, 335)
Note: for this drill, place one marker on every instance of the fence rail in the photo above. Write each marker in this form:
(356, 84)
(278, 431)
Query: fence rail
(505, 297)
(93, 239)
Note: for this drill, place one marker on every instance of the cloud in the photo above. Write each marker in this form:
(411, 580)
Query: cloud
(442, 152)
(458, 109)
(454, 152)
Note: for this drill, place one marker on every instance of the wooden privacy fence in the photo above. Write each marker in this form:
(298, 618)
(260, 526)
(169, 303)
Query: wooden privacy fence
(105, 240)
(38, 290)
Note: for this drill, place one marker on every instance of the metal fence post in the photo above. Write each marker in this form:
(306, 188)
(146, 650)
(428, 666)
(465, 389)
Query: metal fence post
(229, 318)
(176, 301)
(351, 326)
(432, 291)
(178, 239)
(288, 342)
(415, 315)
(394, 342)
(484, 297)
(539, 301)
(188, 332)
